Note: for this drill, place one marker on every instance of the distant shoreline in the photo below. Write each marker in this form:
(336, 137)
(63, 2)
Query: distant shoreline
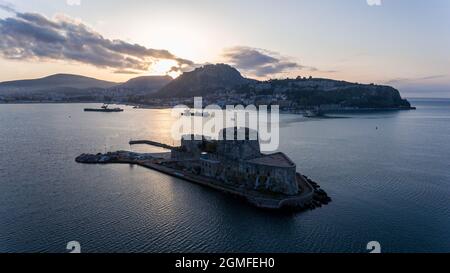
(143, 106)
(138, 106)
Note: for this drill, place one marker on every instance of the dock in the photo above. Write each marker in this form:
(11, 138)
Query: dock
(152, 143)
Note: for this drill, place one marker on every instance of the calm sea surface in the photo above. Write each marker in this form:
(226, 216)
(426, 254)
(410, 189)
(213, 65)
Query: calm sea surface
(390, 184)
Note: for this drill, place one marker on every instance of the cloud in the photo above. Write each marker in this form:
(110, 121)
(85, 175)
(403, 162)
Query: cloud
(124, 71)
(408, 80)
(7, 7)
(260, 62)
(32, 36)
(73, 2)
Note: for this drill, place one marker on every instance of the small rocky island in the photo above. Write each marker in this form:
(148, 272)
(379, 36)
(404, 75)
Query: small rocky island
(237, 167)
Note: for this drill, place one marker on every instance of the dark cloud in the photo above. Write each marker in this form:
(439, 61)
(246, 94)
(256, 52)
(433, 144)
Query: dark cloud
(182, 69)
(31, 36)
(259, 62)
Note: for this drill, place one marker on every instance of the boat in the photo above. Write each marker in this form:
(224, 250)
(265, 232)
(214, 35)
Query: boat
(104, 108)
(313, 113)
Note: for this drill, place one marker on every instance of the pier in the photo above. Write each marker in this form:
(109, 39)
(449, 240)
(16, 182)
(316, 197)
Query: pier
(152, 143)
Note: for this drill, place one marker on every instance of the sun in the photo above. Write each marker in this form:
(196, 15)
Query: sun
(164, 67)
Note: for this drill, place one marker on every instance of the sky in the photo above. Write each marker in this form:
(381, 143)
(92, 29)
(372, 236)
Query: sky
(403, 43)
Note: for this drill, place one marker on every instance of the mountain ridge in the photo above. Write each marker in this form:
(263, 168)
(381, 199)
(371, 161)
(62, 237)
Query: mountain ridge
(214, 82)
(57, 81)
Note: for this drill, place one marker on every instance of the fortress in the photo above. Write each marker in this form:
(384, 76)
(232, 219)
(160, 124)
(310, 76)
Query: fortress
(233, 163)
(237, 162)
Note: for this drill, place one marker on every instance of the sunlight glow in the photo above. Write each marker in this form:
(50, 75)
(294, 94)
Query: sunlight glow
(163, 67)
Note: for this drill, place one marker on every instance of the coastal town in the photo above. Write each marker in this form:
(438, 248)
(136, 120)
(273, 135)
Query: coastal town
(236, 167)
(217, 84)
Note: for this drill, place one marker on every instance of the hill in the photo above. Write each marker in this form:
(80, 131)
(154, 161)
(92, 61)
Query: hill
(56, 81)
(308, 92)
(202, 81)
(149, 84)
